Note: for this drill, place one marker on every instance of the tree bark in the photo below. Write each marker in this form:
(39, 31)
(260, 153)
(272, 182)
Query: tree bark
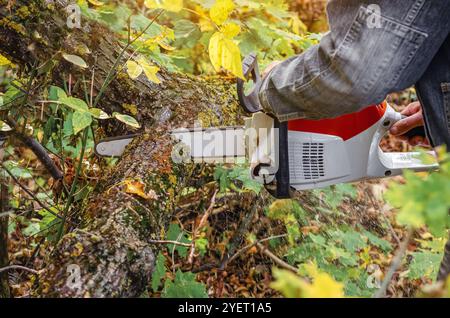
(110, 255)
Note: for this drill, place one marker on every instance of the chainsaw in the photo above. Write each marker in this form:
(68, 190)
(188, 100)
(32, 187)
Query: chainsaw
(299, 154)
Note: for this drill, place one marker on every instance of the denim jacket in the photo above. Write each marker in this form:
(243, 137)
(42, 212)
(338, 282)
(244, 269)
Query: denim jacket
(373, 48)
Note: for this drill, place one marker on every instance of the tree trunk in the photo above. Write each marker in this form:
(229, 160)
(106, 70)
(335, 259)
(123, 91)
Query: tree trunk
(110, 255)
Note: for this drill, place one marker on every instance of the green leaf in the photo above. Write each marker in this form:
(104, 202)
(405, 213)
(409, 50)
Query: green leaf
(159, 272)
(12, 93)
(56, 93)
(48, 223)
(243, 174)
(352, 241)
(80, 121)
(221, 175)
(75, 59)
(375, 240)
(174, 233)
(75, 103)
(98, 113)
(140, 23)
(126, 119)
(31, 229)
(424, 264)
(201, 244)
(187, 33)
(18, 171)
(184, 286)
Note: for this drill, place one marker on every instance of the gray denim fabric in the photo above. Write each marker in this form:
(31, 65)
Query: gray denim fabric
(366, 56)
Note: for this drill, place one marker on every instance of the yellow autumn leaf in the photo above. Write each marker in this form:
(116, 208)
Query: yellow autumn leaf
(298, 27)
(231, 30)
(173, 5)
(204, 22)
(151, 4)
(150, 44)
(224, 53)
(293, 286)
(169, 5)
(149, 70)
(137, 187)
(4, 61)
(323, 285)
(221, 10)
(165, 46)
(134, 69)
(96, 3)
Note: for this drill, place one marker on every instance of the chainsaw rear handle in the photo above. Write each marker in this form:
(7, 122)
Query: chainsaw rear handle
(250, 102)
(384, 164)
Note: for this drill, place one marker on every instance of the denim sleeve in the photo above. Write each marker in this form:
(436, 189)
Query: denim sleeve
(365, 55)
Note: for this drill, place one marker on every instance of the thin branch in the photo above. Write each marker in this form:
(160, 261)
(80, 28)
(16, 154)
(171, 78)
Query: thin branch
(31, 194)
(276, 259)
(200, 225)
(10, 267)
(169, 242)
(395, 265)
(249, 246)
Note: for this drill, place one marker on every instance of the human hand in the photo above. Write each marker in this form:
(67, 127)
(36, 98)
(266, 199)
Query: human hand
(414, 119)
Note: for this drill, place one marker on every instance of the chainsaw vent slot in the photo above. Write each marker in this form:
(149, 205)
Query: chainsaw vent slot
(306, 161)
(313, 161)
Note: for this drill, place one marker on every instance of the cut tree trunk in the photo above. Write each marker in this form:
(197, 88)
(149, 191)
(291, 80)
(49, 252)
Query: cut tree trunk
(110, 254)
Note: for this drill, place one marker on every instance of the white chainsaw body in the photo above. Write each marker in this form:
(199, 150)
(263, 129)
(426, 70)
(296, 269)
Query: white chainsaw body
(320, 160)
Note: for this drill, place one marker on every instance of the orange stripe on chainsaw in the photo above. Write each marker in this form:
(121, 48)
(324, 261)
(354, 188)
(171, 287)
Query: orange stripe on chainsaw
(346, 126)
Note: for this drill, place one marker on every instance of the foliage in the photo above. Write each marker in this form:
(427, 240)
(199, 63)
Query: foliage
(184, 286)
(424, 200)
(203, 36)
(292, 286)
(237, 179)
(425, 261)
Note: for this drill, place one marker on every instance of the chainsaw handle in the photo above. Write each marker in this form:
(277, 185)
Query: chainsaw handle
(250, 67)
(384, 164)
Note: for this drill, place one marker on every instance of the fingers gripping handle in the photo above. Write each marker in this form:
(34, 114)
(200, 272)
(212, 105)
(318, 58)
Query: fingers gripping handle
(250, 102)
(418, 131)
(392, 163)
